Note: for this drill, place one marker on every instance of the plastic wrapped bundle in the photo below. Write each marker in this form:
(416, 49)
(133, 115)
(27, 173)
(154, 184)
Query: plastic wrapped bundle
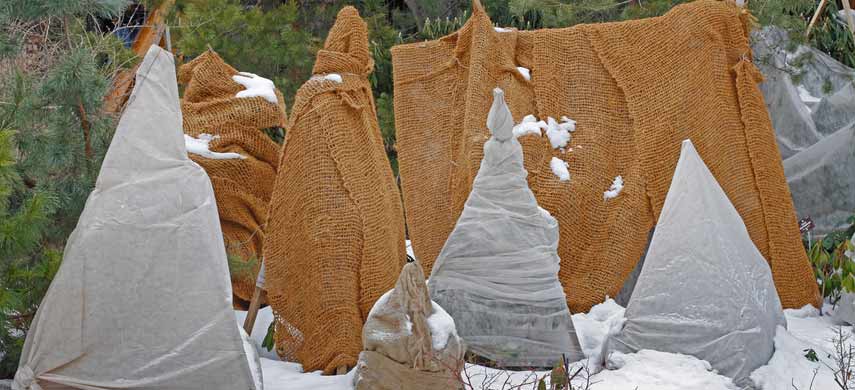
(149, 234)
(410, 341)
(497, 274)
(335, 238)
(228, 111)
(705, 290)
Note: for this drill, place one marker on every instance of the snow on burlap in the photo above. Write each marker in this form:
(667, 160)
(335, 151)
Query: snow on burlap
(497, 274)
(142, 299)
(705, 290)
(410, 342)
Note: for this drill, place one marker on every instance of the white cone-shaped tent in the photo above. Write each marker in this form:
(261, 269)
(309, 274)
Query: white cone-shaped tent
(705, 290)
(497, 274)
(142, 299)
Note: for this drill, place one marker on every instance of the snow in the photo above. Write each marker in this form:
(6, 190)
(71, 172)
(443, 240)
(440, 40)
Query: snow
(529, 125)
(199, 146)
(559, 133)
(559, 168)
(259, 329)
(502, 29)
(644, 370)
(334, 77)
(851, 253)
(410, 249)
(525, 72)
(615, 189)
(280, 375)
(595, 327)
(255, 86)
(441, 326)
(806, 97)
(654, 370)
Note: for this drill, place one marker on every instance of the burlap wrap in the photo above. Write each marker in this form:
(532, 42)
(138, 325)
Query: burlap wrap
(335, 239)
(636, 89)
(404, 349)
(242, 186)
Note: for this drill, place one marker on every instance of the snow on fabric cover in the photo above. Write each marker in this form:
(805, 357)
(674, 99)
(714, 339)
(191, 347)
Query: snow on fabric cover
(149, 234)
(336, 236)
(497, 274)
(409, 341)
(231, 109)
(629, 121)
(705, 290)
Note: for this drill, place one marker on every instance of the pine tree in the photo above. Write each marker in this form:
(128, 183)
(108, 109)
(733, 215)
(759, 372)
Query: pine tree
(55, 69)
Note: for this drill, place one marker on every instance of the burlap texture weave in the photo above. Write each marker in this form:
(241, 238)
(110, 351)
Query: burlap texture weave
(242, 186)
(636, 90)
(335, 239)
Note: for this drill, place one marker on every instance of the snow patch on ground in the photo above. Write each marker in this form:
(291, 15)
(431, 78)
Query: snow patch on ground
(596, 326)
(654, 370)
(529, 125)
(262, 322)
(255, 86)
(199, 146)
(441, 326)
(502, 29)
(645, 370)
(559, 168)
(615, 189)
(279, 375)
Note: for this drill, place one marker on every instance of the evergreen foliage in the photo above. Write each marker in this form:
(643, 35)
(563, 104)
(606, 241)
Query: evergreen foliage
(56, 65)
(56, 69)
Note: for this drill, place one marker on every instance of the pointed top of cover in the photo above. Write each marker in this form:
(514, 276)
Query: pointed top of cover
(346, 47)
(138, 147)
(149, 234)
(705, 290)
(499, 119)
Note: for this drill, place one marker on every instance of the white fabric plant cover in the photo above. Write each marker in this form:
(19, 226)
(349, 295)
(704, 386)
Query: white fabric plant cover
(705, 290)
(813, 115)
(142, 299)
(497, 274)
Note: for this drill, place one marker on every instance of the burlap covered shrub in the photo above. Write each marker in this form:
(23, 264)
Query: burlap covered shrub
(336, 228)
(636, 90)
(242, 186)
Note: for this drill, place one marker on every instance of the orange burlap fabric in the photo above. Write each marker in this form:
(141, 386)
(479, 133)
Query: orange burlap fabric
(335, 238)
(242, 186)
(636, 89)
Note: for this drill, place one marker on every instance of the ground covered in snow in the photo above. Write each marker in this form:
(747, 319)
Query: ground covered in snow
(788, 369)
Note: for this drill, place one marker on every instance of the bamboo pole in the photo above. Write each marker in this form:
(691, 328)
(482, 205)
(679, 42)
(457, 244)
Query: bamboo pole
(258, 295)
(815, 17)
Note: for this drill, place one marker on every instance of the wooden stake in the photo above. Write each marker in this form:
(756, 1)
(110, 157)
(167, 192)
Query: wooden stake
(257, 297)
(816, 16)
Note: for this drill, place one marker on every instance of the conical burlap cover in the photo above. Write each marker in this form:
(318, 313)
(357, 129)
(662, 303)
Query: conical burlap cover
(705, 290)
(497, 274)
(149, 234)
(335, 231)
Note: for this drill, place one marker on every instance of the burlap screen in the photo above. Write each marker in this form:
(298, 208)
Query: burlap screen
(335, 238)
(242, 186)
(637, 89)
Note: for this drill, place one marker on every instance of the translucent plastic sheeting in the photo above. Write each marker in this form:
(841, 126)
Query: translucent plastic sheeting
(705, 290)
(497, 274)
(143, 298)
(811, 101)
